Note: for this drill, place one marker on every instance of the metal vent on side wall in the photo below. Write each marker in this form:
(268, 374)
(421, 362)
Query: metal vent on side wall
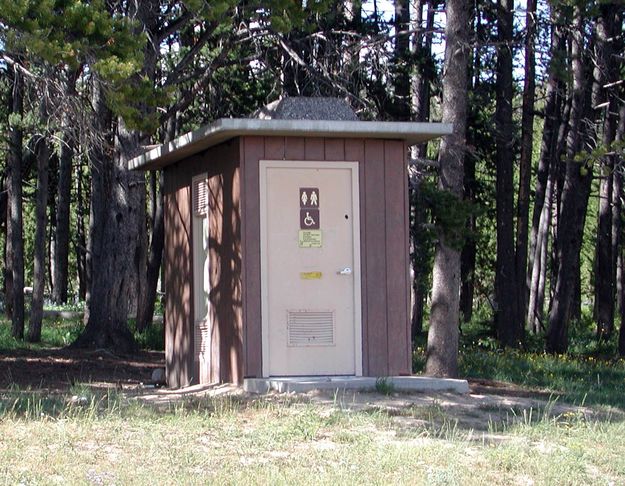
(202, 339)
(310, 328)
(200, 197)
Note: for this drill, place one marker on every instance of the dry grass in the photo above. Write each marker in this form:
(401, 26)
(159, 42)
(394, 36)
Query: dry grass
(287, 440)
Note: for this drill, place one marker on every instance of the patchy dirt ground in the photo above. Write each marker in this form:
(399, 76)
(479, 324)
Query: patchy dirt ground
(489, 403)
(57, 370)
(487, 409)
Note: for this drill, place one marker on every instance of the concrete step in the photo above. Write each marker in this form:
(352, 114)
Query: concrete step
(304, 384)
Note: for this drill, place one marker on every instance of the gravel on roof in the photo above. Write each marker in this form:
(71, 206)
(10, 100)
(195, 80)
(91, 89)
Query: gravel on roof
(307, 108)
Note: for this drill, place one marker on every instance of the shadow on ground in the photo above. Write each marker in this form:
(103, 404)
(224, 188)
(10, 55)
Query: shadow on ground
(489, 407)
(57, 370)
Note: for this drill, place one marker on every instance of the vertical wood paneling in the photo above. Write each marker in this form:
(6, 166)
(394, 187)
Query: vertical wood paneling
(383, 246)
(221, 163)
(178, 278)
(334, 149)
(237, 359)
(314, 149)
(395, 182)
(243, 198)
(187, 335)
(215, 231)
(374, 208)
(408, 288)
(294, 148)
(170, 318)
(355, 152)
(253, 151)
(274, 148)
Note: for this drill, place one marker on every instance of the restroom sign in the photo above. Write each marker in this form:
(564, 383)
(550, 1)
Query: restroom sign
(309, 219)
(309, 197)
(309, 208)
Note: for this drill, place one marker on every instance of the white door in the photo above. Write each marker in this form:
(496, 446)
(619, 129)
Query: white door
(310, 264)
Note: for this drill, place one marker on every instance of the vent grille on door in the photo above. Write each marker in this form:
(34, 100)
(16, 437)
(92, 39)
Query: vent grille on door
(200, 197)
(202, 339)
(310, 328)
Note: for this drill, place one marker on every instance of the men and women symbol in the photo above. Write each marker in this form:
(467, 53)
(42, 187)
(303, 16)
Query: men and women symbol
(309, 208)
(314, 200)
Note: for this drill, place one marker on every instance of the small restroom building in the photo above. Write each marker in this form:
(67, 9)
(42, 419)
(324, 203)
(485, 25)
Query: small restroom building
(286, 244)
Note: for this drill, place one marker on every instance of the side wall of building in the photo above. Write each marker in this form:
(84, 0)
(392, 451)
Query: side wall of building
(384, 243)
(177, 276)
(221, 163)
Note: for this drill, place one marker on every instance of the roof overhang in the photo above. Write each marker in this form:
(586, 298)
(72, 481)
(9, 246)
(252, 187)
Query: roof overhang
(227, 128)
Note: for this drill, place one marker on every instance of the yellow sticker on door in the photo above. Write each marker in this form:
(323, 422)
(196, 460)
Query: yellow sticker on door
(310, 275)
(310, 239)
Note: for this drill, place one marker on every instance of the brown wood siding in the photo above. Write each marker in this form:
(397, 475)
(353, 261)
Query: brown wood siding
(395, 186)
(355, 152)
(221, 163)
(373, 210)
(224, 215)
(253, 149)
(384, 250)
(178, 279)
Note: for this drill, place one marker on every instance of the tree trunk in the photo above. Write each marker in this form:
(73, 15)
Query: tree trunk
(509, 330)
(53, 172)
(111, 236)
(417, 54)
(81, 240)
(145, 312)
(8, 255)
(39, 257)
(575, 194)
(606, 72)
(421, 51)
(469, 250)
(61, 241)
(442, 346)
(147, 254)
(426, 75)
(419, 257)
(618, 240)
(617, 228)
(525, 165)
(352, 10)
(140, 268)
(402, 61)
(563, 134)
(545, 185)
(62, 231)
(14, 166)
(427, 71)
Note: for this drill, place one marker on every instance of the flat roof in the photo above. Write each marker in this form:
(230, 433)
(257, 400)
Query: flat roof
(227, 128)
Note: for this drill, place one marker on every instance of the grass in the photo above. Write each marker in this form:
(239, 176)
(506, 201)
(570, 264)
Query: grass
(578, 380)
(289, 441)
(58, 332)
(88, 436)
(589, 374)
(54, 333)
(384, 386)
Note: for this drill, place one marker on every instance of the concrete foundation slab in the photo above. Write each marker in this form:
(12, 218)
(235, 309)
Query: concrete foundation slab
(302, 384)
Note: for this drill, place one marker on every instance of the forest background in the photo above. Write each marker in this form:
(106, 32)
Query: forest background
(516, 220)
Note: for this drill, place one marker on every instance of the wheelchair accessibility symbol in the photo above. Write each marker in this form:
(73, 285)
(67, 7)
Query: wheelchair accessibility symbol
(309, 219)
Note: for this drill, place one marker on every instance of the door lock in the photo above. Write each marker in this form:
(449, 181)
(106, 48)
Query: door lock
(345, 271)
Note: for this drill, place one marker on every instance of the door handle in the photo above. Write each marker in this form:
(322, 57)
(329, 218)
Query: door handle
(345, 271)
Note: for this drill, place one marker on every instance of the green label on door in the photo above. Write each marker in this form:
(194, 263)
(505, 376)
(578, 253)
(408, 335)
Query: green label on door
(310, 239)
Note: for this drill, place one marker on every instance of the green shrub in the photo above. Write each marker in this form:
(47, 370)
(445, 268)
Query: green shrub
(152, 338)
